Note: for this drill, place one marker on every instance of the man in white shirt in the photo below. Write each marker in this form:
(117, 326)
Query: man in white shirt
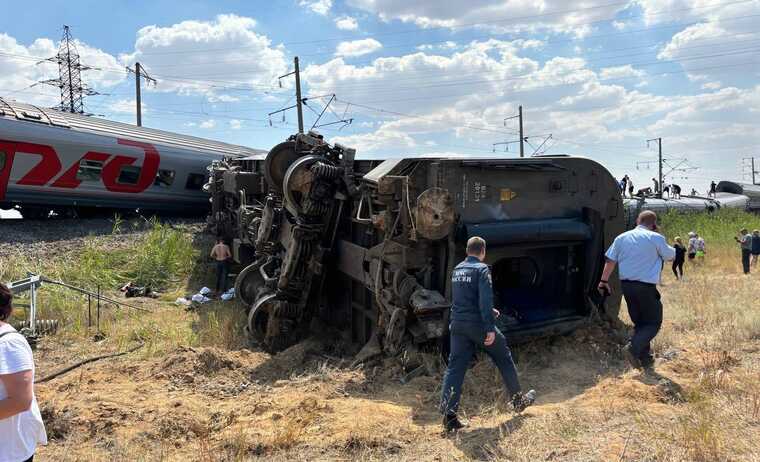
(639, 255)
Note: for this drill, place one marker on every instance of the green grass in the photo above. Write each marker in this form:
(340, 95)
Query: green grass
(161, 258)
(717, 228)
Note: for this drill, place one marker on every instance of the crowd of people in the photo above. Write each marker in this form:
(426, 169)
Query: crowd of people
(672, 191)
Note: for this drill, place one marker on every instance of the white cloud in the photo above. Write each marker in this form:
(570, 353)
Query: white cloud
(462, 96)
(571, 16)
(723, 33)
(202, 57)
(620, 25)
(711, 86)
(126, 106)
(207, 124)
(318, 6)
(620, 72)
(447, 45)
(236, 124)
(381, 141)
(20, 73)
(357, 47)
(346, 23)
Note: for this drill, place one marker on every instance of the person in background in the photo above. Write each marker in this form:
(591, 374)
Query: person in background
(630, 188)
(713, 189)
(472, 328)
(221, 254)
(656, 186)
(639, 255)
(622, 185)
(694, 192)
(745, 241)
(21, 426)
(701, 249)
(666, 189)
(676, 191)
(680, 257)
(755, 247)
(691, 250)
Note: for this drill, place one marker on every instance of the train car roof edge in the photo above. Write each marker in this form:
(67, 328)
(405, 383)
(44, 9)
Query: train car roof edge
(15, 110)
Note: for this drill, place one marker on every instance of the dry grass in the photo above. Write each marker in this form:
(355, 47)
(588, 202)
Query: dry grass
(195, 393)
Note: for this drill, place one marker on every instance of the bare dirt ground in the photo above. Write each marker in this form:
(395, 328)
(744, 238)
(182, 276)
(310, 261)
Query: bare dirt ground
(196, 392)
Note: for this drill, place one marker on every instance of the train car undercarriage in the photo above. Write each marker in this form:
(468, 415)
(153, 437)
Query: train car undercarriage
(368, 245)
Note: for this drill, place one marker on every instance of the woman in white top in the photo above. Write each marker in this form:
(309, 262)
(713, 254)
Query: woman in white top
(21, 427)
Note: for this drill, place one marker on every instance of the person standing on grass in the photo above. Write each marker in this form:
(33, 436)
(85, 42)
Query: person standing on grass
(221, 254)
(639, 255)
(472, 328)
(755, 247)
(701, 249)
(745, 241)
(691, 250)
(680, 257)
(21, 426)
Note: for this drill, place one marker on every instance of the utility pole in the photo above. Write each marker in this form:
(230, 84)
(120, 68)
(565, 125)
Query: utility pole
(138, 101)
(299, 100)
(659, 162)
(522, 138)
(298, 95)
(139, 71)
(749, 162)
(519, 116)
(69, 79)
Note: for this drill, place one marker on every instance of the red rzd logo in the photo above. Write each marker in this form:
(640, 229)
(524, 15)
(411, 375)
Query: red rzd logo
(49, 165)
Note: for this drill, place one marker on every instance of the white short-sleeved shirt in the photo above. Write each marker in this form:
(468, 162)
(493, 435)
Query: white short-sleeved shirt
(639, 254)
(20, 434)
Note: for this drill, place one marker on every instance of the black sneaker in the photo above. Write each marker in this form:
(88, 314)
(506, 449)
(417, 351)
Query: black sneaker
(451, 423)
(520, 401)
(630, 357)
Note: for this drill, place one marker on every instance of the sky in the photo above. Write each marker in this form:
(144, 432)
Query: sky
(422, 77)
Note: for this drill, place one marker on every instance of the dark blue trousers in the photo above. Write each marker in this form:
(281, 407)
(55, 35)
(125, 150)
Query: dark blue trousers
(645, 310)
(221, 276)
(466, 339)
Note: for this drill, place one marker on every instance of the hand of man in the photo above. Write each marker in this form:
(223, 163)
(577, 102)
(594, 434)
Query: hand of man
(604, 288)
(490, 338)
(496, 313)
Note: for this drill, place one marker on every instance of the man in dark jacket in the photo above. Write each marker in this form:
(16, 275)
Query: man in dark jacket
(473, 327)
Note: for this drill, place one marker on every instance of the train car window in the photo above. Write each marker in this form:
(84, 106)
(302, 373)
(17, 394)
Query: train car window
(2, 160)
(164, 178)
(89, 170)
(195, 181)
(129, 174)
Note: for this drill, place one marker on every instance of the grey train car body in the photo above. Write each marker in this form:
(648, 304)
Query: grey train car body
(53, 160)
(729, 195)
(394, 230)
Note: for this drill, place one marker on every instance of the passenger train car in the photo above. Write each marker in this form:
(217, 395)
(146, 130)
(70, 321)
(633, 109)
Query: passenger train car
(78, 165)
(729, 194)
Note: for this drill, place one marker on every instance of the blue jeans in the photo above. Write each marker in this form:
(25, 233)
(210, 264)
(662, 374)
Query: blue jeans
(466, 338)
(221, 276)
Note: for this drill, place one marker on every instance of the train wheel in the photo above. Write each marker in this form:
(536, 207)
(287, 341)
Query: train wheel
(248, 284)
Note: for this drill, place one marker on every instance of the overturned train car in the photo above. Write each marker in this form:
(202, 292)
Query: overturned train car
(729, 195)
(369, 245)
